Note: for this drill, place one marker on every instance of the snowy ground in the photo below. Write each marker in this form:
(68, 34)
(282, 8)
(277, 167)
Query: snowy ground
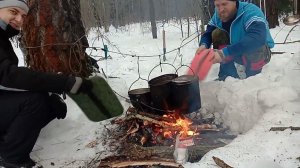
(248, 107)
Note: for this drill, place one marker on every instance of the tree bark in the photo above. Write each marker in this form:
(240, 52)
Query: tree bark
(55, 39)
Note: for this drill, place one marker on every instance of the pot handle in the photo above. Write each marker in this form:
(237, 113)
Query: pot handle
(185, 66)
(139, 75)
(161, 69)
(135, 82)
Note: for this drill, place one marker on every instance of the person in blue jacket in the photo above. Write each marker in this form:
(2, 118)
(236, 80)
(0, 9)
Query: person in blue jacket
(240, 35)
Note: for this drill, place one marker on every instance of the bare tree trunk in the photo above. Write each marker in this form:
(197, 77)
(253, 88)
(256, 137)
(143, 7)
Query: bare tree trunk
(117, 13)
(105, 14)
(188, 28)
(297, 5)
(181, 28)
(55, 38)
(272, 13)
(197, 28)
(152, 19)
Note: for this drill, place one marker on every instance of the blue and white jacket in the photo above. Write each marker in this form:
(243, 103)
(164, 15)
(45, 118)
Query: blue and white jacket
(248, 31)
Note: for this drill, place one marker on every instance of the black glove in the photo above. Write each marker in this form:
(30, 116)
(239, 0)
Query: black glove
(86, 86)
(79, 85)
(58, 106)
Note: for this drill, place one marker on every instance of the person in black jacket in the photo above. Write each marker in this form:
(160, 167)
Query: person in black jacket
(25, 104)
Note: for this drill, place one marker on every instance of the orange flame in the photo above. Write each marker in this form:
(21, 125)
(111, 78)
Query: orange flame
(181, 122)
(184, 123)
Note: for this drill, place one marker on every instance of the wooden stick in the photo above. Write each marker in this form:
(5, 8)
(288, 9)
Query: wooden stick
(140, 163)
(145, 118)
(221, 163)
(284, 128)
(157, 117)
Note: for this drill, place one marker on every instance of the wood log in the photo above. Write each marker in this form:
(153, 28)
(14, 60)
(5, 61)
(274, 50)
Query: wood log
(137, 152)
(284, 128)
(134, 155)
(116, 164)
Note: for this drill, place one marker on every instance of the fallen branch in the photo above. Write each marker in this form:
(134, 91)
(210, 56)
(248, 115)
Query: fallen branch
(140, 163)
(284, 128)
(281, 52)
(289, 42)
(221, 163)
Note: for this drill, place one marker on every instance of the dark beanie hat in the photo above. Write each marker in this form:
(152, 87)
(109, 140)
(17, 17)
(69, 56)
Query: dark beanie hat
(14, 3)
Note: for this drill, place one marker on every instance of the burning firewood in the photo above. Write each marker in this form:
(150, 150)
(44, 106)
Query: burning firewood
(146, 118)
(143, 139)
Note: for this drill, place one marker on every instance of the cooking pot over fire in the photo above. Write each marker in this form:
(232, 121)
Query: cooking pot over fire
(160, 89)
(186, 94)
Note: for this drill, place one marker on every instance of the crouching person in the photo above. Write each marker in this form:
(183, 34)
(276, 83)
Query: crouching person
(25, 103)
(240, 35)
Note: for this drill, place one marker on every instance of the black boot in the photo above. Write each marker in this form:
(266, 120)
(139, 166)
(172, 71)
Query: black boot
(29, 163)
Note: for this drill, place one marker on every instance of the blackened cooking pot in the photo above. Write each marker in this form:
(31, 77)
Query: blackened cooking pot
(186, 94)
(160, 90)
(140, 99)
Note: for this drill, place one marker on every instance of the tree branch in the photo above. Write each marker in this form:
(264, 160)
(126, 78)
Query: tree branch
(284, 128)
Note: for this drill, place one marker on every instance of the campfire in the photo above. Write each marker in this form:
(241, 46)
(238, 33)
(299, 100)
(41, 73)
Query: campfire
(158, 129)
(142, 139)
(151, 130)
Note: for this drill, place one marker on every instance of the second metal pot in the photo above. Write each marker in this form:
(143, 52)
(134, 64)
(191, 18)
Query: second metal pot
(160, 89)
(186, 94)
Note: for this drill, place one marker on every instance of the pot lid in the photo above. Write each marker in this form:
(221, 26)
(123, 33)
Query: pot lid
(185, 79)
(163, 79)
(139, 91)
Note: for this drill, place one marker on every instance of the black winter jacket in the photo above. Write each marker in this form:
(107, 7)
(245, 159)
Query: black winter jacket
(13, 77)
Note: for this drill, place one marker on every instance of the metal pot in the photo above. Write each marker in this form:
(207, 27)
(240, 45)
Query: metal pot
(140, 99)
(160, 89)
(186, 94)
